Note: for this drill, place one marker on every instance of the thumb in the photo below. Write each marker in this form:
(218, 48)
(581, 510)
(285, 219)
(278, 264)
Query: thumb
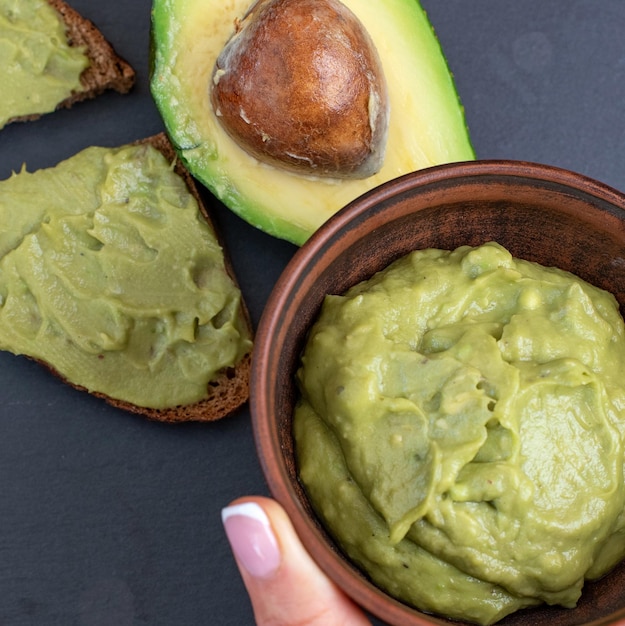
(285, 585)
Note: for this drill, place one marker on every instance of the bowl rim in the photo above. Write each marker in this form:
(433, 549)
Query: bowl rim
(364, 593)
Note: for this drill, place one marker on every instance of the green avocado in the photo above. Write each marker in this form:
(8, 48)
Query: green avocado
(426, 124)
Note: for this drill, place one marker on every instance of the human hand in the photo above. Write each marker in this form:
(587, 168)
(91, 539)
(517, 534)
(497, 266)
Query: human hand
(286, 587)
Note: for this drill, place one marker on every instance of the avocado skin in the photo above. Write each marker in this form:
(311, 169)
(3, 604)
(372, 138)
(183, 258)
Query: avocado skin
(427, 125)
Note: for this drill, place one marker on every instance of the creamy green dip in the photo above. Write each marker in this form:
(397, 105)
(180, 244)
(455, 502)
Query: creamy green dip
(38, 67)
(461, 431)
(109, 273)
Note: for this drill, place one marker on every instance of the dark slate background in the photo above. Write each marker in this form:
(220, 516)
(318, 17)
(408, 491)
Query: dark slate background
(108, 519)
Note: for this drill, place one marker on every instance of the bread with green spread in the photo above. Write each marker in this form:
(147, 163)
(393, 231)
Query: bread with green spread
(107, 70)
(103, 69)
(230, 390)
(113, 276)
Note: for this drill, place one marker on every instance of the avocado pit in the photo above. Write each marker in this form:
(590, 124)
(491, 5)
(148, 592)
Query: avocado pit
(300, 86)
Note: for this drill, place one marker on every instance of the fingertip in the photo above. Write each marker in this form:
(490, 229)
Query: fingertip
(252, 538)
(269, 505)
(284, 583)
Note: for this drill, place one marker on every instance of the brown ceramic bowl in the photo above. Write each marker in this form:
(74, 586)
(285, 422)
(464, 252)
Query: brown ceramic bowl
(540, 213)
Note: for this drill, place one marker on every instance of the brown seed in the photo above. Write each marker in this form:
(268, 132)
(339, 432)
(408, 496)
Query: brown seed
(300, 85)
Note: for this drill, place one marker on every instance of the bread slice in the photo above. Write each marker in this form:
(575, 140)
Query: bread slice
(230, 390)
(106, 71)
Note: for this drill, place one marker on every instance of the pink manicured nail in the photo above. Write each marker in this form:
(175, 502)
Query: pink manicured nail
(251, 538)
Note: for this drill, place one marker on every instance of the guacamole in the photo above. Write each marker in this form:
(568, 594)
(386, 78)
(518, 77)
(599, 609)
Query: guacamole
(38, 68)
(110, 274)
(461, 431)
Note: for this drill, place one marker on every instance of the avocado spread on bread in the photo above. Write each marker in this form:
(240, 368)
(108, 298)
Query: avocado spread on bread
(39, 67)
(111, 275)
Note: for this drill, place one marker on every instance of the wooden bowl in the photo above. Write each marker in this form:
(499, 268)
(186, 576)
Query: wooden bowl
(540, 213)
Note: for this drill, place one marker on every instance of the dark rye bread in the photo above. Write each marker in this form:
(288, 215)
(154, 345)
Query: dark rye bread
(106, 71)
(230, 389)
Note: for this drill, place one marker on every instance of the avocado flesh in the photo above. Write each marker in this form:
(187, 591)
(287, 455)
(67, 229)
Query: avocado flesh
(427, 125)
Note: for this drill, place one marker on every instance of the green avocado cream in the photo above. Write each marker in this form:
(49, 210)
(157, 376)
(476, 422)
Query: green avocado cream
(109, 273)
(461, 431)
(38, 67)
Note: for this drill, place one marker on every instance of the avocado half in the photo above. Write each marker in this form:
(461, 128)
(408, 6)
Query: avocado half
(427, 125)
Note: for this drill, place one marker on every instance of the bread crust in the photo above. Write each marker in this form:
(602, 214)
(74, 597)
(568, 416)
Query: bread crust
(107, 70)
(230, 390)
